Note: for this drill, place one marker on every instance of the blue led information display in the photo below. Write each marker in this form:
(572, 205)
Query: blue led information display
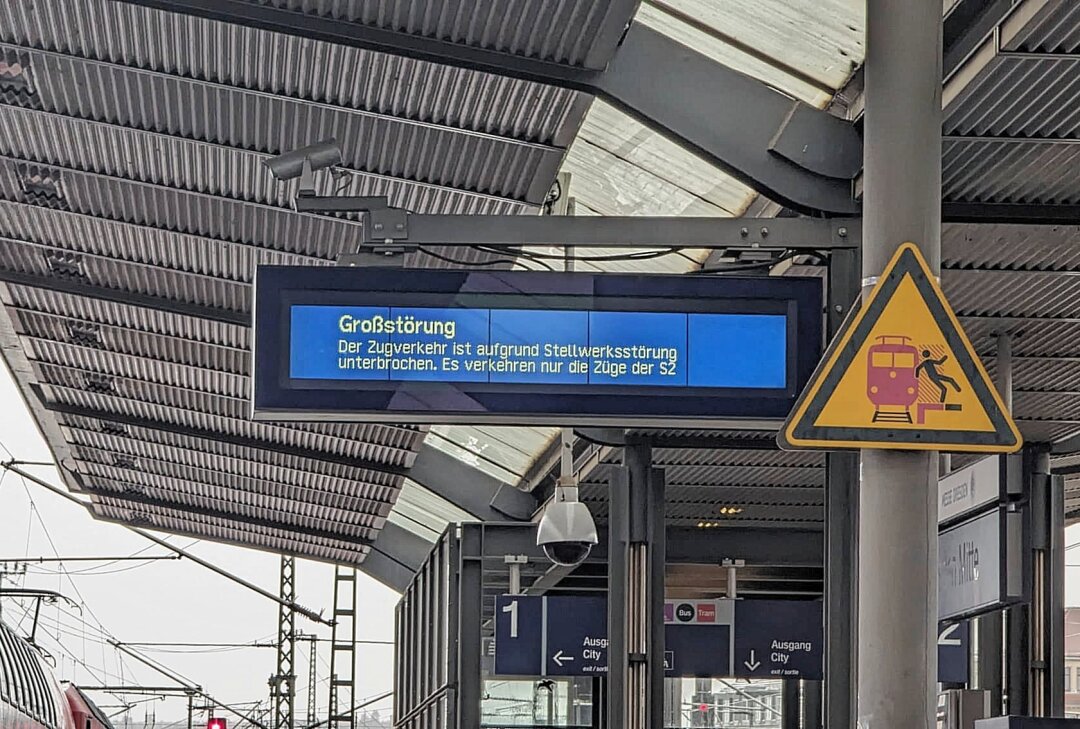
(430, 346)
(539, 347)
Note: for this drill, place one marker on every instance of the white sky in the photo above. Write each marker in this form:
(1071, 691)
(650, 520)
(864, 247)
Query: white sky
(169, 601)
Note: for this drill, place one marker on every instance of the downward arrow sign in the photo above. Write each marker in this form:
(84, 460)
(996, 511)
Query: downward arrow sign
(559, 658)
(753, 664)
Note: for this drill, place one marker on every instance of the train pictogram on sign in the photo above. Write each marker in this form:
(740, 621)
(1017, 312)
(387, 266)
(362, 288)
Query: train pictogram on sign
(901, 375)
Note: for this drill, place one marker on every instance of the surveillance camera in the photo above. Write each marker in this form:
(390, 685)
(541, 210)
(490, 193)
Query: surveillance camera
(318, 156)
(567, 531)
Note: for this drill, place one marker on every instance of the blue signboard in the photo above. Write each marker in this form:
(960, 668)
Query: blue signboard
(565, 348)
(567, 636)
(953, 652)
(779, 639)
(538, 347)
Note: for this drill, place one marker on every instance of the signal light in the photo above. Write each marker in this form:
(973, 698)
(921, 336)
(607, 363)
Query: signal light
(217, 724)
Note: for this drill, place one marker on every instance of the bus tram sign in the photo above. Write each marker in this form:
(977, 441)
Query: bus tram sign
(902, 375)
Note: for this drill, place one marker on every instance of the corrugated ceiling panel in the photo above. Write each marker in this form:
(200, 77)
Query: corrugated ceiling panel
(119, 341)
(126, 316)
(87, 234)
(1017, 97)
(290, 65)
(1025, 247)
(262, 122)
(726, 457)
(277, 469)
(1054, 30)
(176, 492)
(210, 169)
(1063, 406)
(269, 482)
(1045, 337)
(177, 521)
(711, 498)
(1013, 294)
(356, 441)
(142, 369)
(705, 476)
(552, 30)
(1042, 374)
(1011, 171)
(110, 273)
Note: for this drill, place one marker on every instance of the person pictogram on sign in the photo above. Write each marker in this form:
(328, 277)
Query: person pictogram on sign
(929, 365)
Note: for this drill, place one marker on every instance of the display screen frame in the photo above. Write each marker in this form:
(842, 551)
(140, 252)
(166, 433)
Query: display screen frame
(277, 396)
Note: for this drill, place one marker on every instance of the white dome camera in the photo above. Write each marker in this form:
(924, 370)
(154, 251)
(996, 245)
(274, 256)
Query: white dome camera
(567, 531)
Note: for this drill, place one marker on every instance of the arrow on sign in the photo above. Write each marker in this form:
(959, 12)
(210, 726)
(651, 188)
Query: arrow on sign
(944, 638)
(753, 663)
(559, 658)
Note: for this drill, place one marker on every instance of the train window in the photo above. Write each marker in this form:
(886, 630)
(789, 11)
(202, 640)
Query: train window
(905, 360)
(881, 359)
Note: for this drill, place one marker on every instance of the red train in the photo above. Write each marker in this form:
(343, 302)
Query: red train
(31, 697)
(891, 382)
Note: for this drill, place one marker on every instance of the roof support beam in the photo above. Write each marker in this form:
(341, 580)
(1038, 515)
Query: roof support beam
(610, 232)
(967, 26)
(793, 153)
(1009, 213)
(686, 545)
(470, 489)
(395, 556)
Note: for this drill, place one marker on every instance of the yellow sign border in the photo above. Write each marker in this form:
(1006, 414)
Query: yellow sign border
(789, 441)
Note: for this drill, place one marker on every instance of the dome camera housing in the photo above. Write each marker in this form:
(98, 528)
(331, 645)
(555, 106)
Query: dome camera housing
(566, 532)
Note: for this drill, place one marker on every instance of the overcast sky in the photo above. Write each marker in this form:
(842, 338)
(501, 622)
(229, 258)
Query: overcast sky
(167, 601)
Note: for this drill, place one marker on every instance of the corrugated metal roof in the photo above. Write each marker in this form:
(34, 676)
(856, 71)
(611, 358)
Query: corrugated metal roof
(290, 65)
(242, 119)
(134, 208)
(1011, 120)
(562, 31)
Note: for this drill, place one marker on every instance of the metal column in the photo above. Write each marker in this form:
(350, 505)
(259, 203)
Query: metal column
(1046, 614)
(636, 559)
(313, 683)
(789, 704)
(811, 705)
(343, 650)
(469, 609)
(283, 682)
(990, 630)
(841, 528)
(897, 558)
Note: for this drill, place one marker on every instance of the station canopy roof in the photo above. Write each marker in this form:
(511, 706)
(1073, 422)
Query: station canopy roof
(134, 209)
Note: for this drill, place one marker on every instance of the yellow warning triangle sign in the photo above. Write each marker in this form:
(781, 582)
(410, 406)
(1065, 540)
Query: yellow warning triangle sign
(902, 375)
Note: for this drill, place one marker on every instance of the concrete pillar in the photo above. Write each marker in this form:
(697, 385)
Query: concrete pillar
(897, 558)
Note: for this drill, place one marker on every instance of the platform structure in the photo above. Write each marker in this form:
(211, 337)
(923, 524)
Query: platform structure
(131, 232)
